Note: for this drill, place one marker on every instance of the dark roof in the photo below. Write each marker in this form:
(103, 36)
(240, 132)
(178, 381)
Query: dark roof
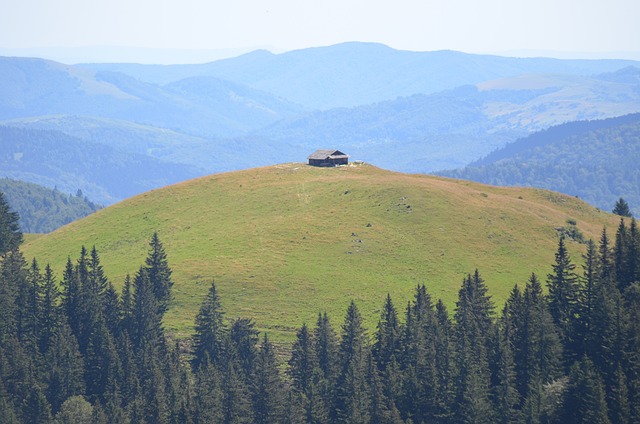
(327, 154)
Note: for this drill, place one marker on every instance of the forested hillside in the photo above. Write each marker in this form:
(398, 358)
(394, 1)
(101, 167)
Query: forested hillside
(76, 349)
(42, 209)
(104, 174)
(594, 160)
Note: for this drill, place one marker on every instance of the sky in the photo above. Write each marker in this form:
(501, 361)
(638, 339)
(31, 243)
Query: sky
(178, 29)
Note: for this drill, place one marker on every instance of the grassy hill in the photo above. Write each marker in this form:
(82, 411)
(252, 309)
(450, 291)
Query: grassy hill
(286, 241)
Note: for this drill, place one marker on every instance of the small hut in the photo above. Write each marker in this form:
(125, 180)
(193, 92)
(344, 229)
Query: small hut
(328, 158)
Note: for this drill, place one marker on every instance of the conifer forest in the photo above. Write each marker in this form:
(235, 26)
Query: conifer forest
(564, 348)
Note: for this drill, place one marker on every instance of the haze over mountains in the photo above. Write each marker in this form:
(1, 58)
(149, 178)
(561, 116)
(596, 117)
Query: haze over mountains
(405, 111)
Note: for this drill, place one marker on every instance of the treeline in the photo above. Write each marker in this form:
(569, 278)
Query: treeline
(43, 210)
(78, 351)
(595, 160)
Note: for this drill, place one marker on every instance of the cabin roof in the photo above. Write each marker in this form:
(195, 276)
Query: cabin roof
(322, 154)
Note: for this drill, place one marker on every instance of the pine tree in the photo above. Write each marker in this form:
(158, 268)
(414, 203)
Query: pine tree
(65, 368)
(537, 351)
(13, 276)
(29, 310)
(387, 342)
(268, 389)
(504, 393)
(563, 300)
(36, 409)
(444, 390)
(8, 296)
(418, 358)
(632, 349)
(303, 361)
(50, 313)
(127, 306)
(208, 393)
(622, 208)
(147, 333)
(236, 401)
(243, 347)
(353, 396)
(10, 234)
(112, 309)
(210, 331)
(157, 267)
(326, 348)
(474, 326)
(584, 401)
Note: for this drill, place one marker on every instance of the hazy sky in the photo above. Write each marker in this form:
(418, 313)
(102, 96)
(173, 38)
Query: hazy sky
(476, 26)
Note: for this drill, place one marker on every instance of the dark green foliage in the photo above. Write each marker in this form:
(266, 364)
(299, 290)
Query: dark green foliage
(594, 160)
(537, 351)
(622, 208)
(42, 209)
(473, 332)
(159, 273)
(118, 367)
(10, 234)
(36, 409)
(208, 394)
(147, 332)
(64, 374)
(584, 401)
(505, 395)
(268, 389)
(563, 300)
(243, 338)
(236, 398)
(353, 393)
(210, 335)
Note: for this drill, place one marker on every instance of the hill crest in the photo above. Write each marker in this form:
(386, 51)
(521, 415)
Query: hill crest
(286, 241)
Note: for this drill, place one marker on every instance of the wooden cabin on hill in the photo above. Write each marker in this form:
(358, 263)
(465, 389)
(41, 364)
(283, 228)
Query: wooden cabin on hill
(328, 158)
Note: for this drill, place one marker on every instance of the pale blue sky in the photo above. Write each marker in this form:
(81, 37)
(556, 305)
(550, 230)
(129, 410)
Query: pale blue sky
(592, 28)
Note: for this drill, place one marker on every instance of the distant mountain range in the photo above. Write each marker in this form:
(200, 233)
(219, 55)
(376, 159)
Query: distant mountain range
(594, 160)
(138, 127)
(355, 74)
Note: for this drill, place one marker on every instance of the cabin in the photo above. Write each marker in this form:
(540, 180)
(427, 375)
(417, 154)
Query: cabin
(328, 158)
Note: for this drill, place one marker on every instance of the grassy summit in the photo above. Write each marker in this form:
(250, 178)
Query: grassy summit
(286, 241)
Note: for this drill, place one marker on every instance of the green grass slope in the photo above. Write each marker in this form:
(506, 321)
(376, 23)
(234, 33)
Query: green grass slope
(286, 241)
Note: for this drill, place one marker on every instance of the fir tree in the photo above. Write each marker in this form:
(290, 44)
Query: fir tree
(65, 368)
(353, 396)
(563, 300)
(157, 267)
(208, 393)
(36, 409)
(147, 333)
(268, 389)
(584, 401)
(504, 393)
(10, 234)
(243, 338)
(50, 316)
(236, 401)
(210, 331)
(622, 208)
(387, 342)
(303, 362)
(473, 317)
